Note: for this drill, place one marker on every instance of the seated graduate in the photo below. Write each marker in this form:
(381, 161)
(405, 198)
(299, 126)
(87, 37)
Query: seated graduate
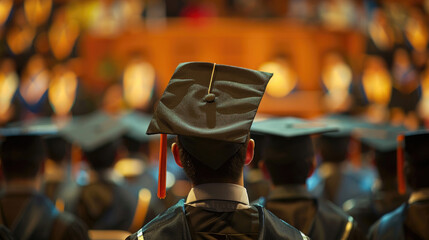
(23, 209)
(384, 197)
(56, 175)
(289, 160)
(102, 202)
(211, 108)
(336, 179)
(139, 173)
(410, 220)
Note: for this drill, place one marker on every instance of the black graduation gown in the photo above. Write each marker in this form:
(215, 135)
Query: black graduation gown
(367, 210)
(172, 224)
(102, 205)
(319, 219)
(341, 185)
(30, 215)
(409, 221)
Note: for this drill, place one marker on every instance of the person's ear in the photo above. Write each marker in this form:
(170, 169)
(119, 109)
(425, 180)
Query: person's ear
(176, 154)
(249, 152)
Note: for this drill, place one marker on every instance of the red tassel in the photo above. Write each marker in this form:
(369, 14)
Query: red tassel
(402, 188)
(162, 166)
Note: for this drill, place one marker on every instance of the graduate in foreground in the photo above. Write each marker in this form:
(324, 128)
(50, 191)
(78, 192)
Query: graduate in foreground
(211, 108)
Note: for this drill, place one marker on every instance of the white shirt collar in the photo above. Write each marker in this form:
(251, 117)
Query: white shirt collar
(218, 191)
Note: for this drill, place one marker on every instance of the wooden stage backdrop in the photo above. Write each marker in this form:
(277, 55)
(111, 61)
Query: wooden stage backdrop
(245, 43)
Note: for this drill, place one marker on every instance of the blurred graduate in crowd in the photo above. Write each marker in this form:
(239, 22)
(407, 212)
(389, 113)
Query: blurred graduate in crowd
(57, 169)
(101, 200)
(136, 168)
(337, 179)
(289, 159)
(24, 210)
(384, 195)
(410, 220)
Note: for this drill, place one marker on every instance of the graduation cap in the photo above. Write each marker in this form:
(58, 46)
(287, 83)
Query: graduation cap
(37, 128)
(344, 123)
(380, 137)
(136, 124)
(211, 108)
(289, 138)
(415, 146)
(93, 130)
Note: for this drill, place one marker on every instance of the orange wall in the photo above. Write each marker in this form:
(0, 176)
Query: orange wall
(245, 43)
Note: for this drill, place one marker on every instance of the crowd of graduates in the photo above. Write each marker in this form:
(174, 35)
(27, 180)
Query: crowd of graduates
(333, 177)
(78, 166)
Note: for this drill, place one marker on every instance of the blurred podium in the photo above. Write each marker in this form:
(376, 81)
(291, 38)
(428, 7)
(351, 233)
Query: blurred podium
(241, 42)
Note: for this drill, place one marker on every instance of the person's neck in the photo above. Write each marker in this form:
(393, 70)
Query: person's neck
(240, 182)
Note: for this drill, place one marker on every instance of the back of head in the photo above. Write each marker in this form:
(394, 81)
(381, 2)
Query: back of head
(102, 157)
(56, 148)
(333, 149)
(289, 150)
(199, 172)
(22, 156)
(417, 159)
(385, 161)
(289, 160)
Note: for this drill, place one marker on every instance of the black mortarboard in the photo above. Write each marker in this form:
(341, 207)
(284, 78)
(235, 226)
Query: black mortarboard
(289, 139)
(345, 124)
(380, 137)
(36, 128)
(93, 130)
(136, 124)
(211, 108)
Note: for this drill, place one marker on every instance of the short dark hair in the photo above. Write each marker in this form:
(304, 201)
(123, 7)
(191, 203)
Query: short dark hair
(291, 172)
(416, 172)
(289, 160)
(103, 157)
(333, 148)
(56, 148)
(22, 156)
(386, 168)
(199, 173)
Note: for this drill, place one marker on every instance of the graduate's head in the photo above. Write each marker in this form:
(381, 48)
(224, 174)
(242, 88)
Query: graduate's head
(102, 157)
(381, 140)
(289, 154)
(200, 168)
(98, 135)
(210, 108)
(333, 148)
(57, 148)
(289, 160)
(417, 159)
(22, 156)
(385, 162)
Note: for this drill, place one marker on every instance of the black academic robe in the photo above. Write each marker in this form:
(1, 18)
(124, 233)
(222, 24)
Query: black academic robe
(409, 221)
(341, 185)
(318, 219)
(173, 224)
(30, 215)
(102, 205)
(367, 210)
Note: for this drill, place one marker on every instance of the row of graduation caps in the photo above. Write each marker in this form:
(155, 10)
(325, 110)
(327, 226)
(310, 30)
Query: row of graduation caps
(94, 130)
